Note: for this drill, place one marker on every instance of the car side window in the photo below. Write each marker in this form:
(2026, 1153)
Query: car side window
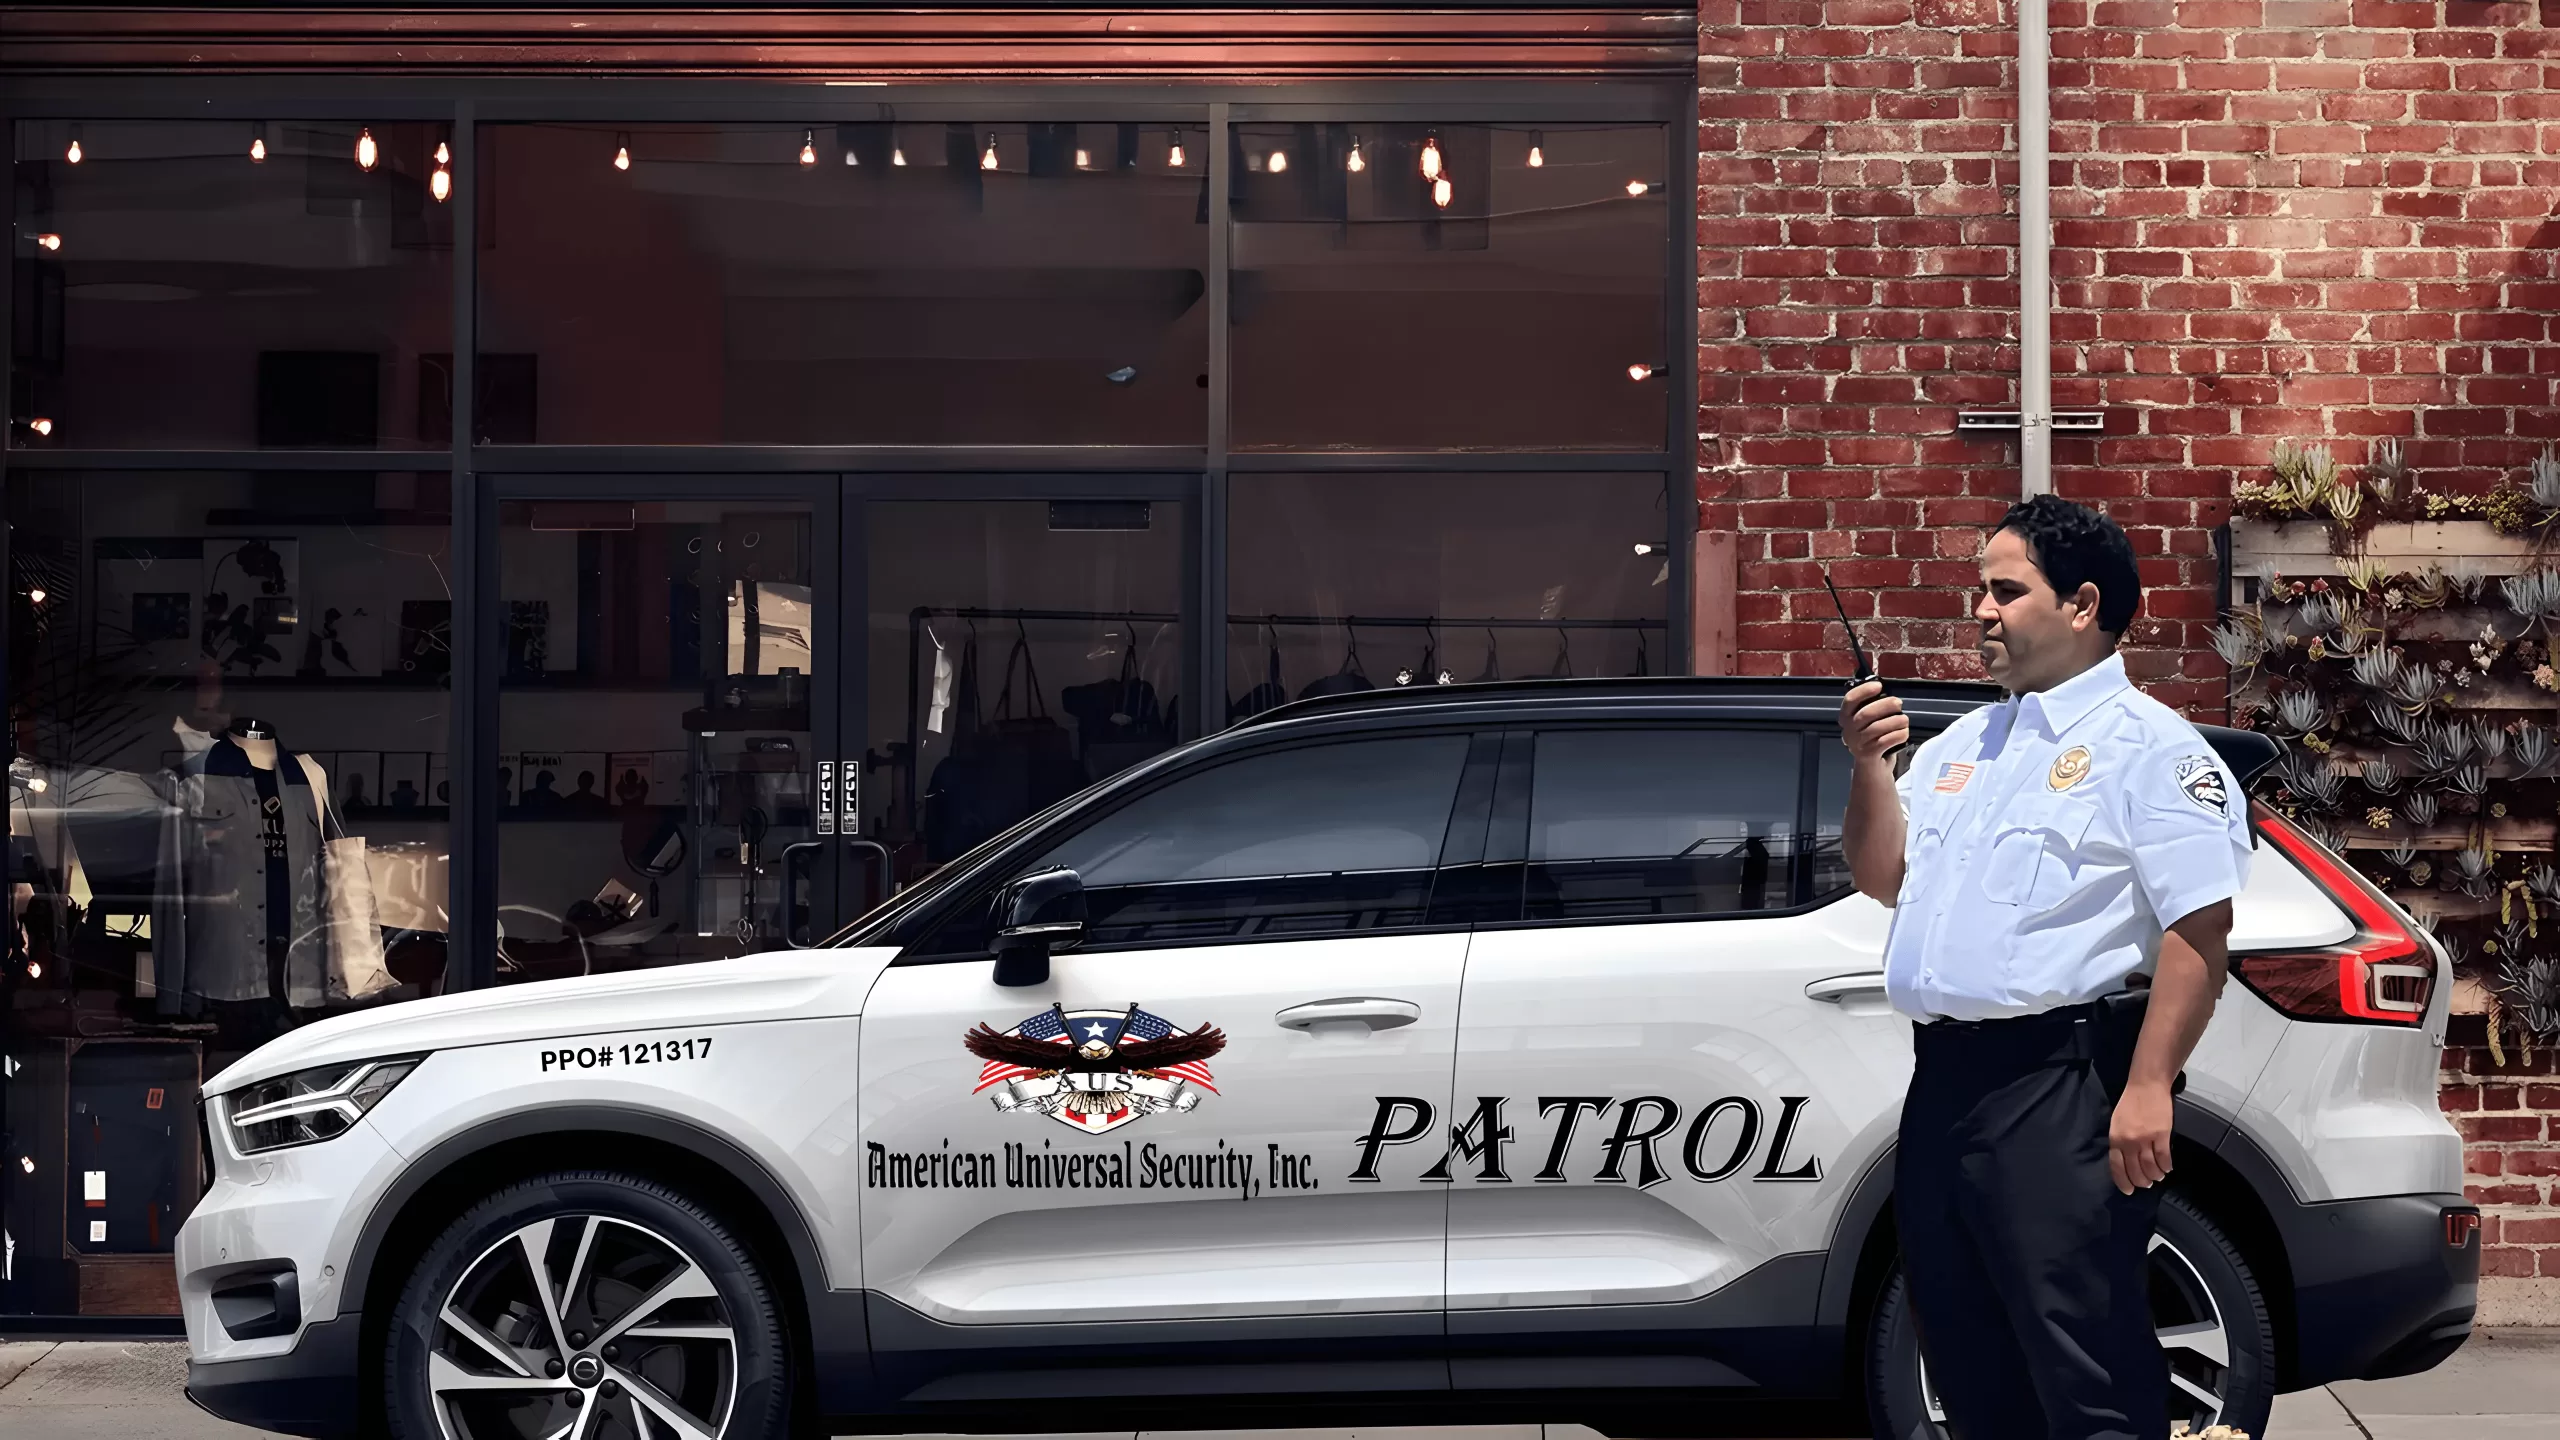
(1831, 807)
(1326, 839)
(1636, 823)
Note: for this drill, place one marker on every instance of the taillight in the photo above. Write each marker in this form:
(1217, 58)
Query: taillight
(2380, 975)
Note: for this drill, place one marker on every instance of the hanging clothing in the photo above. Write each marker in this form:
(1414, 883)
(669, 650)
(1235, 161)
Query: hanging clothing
(238, 913)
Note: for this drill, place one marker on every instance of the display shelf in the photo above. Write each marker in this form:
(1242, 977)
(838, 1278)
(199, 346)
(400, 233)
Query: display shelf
(2507, 833)
(705, 720)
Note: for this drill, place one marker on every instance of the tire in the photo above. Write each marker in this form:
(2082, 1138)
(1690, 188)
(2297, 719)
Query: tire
(666, 1329)
(2202, 1289)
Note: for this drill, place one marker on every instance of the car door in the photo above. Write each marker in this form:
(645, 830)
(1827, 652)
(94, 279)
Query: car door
(1270, 915)
(1657, 1094)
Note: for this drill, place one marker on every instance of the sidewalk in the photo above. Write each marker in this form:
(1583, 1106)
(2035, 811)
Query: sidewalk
(2504, 1383)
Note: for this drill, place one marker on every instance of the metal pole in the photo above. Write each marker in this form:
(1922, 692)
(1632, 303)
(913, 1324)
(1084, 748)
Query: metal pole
(2035, 253)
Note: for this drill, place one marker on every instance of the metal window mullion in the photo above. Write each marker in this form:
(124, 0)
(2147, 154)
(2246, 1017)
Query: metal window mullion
(472, 722)
(1208, 685)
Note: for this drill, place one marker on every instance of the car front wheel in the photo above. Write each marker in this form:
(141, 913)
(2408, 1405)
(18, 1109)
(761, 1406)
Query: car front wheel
(587, 1306)
(2205, 1304)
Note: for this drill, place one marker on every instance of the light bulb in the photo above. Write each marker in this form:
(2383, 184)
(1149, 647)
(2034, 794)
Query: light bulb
(809, 147)
(1639, 371)
(988, 160)
(36, 597)
(48, 241)
(34, 972)
(41, 425)
(1173, 157)
(367, 152)
(36, 783)
(444, 153)
(1537, 150)
(622, 151)
(1431, 159)
(1643, 549)
(440, 185)
(1637, 187)
(258, 149)
(72, 154)
(1441, 193)
(28, 1162)
(850, 158)
(1084, 159)
(1279, 161)
(897, 156)
(1353, 162)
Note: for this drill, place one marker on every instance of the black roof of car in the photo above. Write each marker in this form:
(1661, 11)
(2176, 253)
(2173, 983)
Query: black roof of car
(1766, 697)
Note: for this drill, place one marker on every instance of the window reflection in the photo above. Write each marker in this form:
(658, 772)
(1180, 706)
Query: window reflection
(1468, 287)
(860, 284)
(227, 819)
(218, 284)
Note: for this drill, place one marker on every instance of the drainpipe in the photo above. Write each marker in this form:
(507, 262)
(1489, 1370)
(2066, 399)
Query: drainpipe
(2035, 252)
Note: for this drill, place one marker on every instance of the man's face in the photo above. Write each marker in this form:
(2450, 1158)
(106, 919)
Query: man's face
(2032, 639)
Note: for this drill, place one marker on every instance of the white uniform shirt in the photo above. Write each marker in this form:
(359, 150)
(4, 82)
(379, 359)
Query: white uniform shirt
(2049, 840)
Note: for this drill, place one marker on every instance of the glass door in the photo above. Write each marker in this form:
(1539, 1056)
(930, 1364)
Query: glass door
(1022, 639)
(665, 675)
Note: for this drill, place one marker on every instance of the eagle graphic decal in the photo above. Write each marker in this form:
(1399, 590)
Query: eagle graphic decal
(1095, 1070)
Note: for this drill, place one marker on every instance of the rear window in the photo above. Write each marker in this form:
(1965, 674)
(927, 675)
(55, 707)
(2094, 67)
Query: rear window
(1638, 823)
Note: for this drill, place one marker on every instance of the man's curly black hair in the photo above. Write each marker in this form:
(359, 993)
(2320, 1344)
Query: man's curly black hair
(2075, 545)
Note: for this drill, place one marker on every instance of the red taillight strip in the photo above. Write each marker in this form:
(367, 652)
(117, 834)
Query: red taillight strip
(2379, 937)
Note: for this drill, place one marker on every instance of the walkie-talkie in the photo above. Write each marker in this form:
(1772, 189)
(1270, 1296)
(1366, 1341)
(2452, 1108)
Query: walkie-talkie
(1857, 652)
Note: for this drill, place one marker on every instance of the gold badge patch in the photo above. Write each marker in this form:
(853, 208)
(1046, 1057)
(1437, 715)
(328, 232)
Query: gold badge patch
(2069, 769)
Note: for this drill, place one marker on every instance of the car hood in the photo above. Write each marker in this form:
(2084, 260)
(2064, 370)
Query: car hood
(776, 985)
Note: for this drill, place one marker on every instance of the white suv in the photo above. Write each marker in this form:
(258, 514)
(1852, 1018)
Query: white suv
(1506, 1051)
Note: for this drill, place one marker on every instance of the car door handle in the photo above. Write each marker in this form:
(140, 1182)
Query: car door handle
(1839, 988)
(1337, 1015)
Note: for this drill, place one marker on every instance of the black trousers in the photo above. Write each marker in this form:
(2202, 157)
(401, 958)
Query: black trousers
(2026, 1266)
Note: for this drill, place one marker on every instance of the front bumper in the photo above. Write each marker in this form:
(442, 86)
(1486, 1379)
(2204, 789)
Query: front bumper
(2378, 1291)
(311, 1389)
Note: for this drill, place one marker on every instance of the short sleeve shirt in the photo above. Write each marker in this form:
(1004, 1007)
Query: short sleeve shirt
(2050, 840)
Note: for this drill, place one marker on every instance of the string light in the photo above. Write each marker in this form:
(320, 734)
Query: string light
(988, 160)
(1537, 150)
(440, 184)
(1279, 161)
(36, 596)
(1639, 371)
(1431, 159)
(809, 147)
(258, 144)
(1084, 159)
(444, 153)
(1643, 549)
(850, 157)
(897, 155)
(367, 152)
(1637, 187)
(73, 154)
(41, 425)
(28, 1162)
(48, 241)
(1441, 193)
(1173, 157)
(622, 151)
(1353, 162)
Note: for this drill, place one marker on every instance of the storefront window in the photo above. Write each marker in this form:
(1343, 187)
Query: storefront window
(655, 744)
(1357, 581)
(1451, 287)
(1020, 650)
(227, 819)
(912, 284)
(204, 284)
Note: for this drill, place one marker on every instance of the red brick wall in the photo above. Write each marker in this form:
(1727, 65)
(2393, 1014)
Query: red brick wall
(2330, 220)
(2509, 1116)
(2322, 219)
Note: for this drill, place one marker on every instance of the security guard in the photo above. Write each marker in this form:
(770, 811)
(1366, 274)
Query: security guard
(2062, 866)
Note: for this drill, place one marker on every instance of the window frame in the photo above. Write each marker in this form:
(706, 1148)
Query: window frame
(1466, 801)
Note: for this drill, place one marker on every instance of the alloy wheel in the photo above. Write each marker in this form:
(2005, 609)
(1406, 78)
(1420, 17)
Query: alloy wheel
(583, 1327)
(2192, 1333)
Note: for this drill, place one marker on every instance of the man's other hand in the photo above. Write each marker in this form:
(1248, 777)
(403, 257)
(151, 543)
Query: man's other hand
(2138, 1138)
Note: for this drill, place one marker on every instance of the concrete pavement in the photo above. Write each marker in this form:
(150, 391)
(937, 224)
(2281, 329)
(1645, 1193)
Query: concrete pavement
(2504, 1383)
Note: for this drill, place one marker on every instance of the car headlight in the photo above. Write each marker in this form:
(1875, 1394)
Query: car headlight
(308, 1106)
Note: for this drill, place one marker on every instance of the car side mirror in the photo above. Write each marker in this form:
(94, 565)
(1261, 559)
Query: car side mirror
(1035, 915)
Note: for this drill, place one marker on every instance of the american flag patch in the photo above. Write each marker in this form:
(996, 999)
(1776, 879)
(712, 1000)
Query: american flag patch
(1143, 1026)
(1951, 777)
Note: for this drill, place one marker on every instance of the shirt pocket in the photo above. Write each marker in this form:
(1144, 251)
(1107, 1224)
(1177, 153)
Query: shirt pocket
(2030, 862)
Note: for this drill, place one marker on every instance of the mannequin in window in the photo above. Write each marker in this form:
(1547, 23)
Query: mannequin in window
(238, 916)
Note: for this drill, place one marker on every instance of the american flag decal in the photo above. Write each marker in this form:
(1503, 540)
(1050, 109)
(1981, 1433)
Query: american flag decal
(1095, 1069)
(1951, 777)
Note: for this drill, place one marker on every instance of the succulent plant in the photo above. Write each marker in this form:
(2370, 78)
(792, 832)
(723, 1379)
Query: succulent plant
(2420, 809)
(2544, 881)
(2376, 669)
(2543, 479)
(2240, 646)
(2301, 711)
(2465, 577)
(2471, 779)
(2488, 741)
(2535, 594)
(2386, 474)
(2401, 856)
(2381, 777)
(2344, 501)
(2471, 873)
(2387, 717)
(2532, 746)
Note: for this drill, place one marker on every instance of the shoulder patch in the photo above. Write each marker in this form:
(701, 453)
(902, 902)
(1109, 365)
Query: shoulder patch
(2201, 779)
